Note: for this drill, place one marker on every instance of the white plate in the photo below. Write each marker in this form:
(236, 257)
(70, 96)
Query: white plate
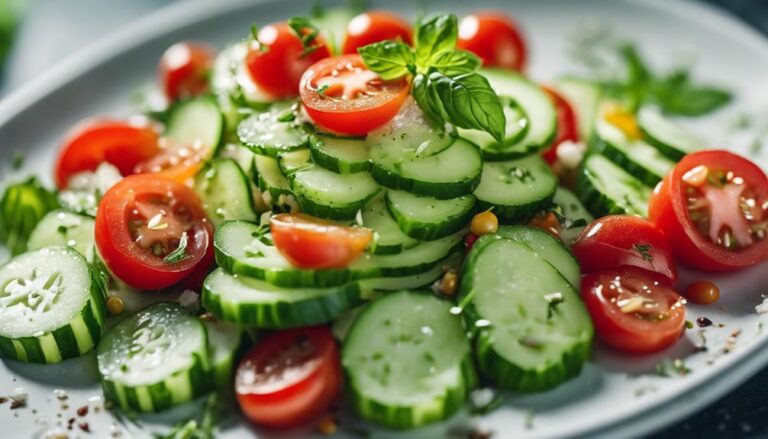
(615, 396)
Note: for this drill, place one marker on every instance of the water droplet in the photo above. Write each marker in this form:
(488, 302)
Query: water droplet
(482, 323)
(426, 330)
(455, 310)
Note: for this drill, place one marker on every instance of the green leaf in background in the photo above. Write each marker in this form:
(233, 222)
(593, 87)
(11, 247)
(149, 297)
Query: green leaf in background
(434, 35)
(390, 59)
(695, 101)
(10, 13)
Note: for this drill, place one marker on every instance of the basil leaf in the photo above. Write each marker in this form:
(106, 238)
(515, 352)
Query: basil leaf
(307, 33)
(427, 99)
(390, 59)
(434, 35)
(456, 62)
(694, 101)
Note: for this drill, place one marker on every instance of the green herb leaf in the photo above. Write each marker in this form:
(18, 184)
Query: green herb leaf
(456, 62)
(434, 35)
(695, 101)
(644, 251)
(180, 253)
(427, 99)
(307, 33)
(390, 59)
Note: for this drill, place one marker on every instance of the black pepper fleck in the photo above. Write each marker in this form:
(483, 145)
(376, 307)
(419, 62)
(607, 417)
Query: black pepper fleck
(703, 322)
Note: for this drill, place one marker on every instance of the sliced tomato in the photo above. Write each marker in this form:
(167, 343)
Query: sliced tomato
(619, 240)
(310, 242)
(374, 26)
(93, 142)
(341, 95)
(632, 310)
(277, 60)
(184, 69)
(289, 377)
(495, 38)
(566, 125)
(152, 232)
(176, 162)
(713, 206)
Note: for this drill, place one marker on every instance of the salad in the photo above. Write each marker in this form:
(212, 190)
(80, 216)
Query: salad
(358, 207)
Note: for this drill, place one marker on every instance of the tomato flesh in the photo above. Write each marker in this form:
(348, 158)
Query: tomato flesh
(566, 125)
(632, 310)
(179, 163)
(619, 240)
(374, 26)
(309, 242)
(141, 221)
(341, 95)
(495, 38)
(289, 377)
(93, 142)
(184, 68)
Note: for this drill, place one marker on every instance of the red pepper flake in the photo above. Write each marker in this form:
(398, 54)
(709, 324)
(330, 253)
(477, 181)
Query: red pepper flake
(703, 322)
(85, 427)
(82, 411)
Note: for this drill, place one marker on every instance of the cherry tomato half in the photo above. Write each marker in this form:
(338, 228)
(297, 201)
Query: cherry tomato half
(618, 240)
(184, 68)
(179, 163)
(152, 232)
(277, 60)
(374, 26)
(632, 310)
(495, 38)
(93, 142)
(289, 377)
(566, 125)
(713, 207)
(310, 242)
(342, 95)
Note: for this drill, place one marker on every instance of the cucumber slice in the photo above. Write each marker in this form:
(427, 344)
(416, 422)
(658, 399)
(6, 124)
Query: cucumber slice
(232, 83)
(225, 191)
(23, 205)
(516, 127)
(387, 237)
(406, 169)
(294, 161)
(412, 281)
(66, 229)
(428, 218)
(196, 122)
(410, 134)
(584, 97)
(607, 189)
(265, 134)
(254, 303)
(51, 306)
(326, 194)
(407, 361)
(516, 189)
(270, 178)
(155, 359)
(549, 248)
(574, 213)
(669, 138)
(223, 342)
(525, 341)
(244, 157)
(339, 154)
(534, 102)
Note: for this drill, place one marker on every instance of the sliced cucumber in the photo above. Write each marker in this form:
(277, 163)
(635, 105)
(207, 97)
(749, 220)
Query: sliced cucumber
(51, 306)
(410, 134)
(548, 247)
(412, 281)
(244, 157)
(387, 236)
(223, 342)
(326, 194)
(254, 303)
(669, 138)
(607, 189)
(339, 154)
(270, 178)
(196, 122)
(66, 229)
(232, 83)
(516, 189)
(532, 330)
(407, 361)
(225, 191)
(23, 205)
(265, 134)
(428, 218)
(584, 98)
(155, 359)
(294, 161)
(576, 215)
(401, 168)
(516, 128)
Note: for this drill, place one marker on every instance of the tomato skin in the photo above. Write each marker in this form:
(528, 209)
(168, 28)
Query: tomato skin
(495, 38)
(183, 69)
(374, 26)
(567, 128)
(357, 116)
(179, 163)
(95, 141)
(307, 393)
(667, 209)
(124, 257)
(309, 242)
(623, 331)
(609, 243)
(277, 71)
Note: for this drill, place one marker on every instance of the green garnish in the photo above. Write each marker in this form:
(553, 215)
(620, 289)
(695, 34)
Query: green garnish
(17, 161)
(180, 253)
(672, 368)
(322, 89)
(643, 250)
(287, 116)
(307, 33)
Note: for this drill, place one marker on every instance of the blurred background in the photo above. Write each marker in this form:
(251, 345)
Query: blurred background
(36, 34)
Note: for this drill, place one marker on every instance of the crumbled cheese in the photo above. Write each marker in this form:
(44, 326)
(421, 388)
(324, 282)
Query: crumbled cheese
(570, 153)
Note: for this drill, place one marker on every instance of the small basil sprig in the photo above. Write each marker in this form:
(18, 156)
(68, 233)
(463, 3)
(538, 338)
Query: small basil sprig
(446, 85)
(307, 33)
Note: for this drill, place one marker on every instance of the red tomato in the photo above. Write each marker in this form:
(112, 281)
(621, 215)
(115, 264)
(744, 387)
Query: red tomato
(618, 240)
(179, 163)
(184, 68)
(310, 242)
(713, 207)
(141, 221)
(289, 377)
(342, 95)
(566, 125)
(96, 141)
(495, 38)
(372, 27)
(276, 61)
(632, 310)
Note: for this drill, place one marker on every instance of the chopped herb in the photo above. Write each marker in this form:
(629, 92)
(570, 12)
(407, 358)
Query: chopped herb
(17, 161)
(307, 33)
(62, 230)
(322, 89)
(672, 368)
(180, 253)
(644, 251)
(522, 175)
(553, 300)
(287, 116)
(688, 324)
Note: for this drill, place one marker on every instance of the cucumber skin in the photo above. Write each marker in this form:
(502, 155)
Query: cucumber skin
(493, 155)
(442, 191)
(336, 165)
(668, 151)
(514, 213)
(595, 201)
(646, 176)
(22, 206)
(339, 213)
(430, 231)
